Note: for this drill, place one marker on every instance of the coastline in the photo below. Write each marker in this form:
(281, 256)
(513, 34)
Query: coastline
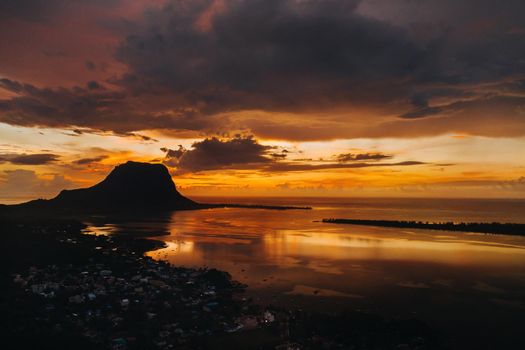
(486, 228)
(59, 286)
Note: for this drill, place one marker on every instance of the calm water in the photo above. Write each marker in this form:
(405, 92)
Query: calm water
(460, 282)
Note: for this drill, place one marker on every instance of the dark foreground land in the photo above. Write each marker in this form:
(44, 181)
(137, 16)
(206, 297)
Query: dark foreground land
(62, 289)
(493, 228)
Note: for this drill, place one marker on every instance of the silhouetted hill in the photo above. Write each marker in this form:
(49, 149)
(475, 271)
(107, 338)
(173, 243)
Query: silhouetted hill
(130, 186)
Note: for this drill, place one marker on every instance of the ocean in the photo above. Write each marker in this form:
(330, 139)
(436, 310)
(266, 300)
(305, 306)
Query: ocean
(466, 284)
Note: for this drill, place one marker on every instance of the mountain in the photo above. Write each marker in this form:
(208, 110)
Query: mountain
(132, 186)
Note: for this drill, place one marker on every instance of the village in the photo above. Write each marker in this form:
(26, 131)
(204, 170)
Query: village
(101, 292)
(136, 301)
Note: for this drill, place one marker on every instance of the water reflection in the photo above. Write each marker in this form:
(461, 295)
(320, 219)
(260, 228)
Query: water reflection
(287, 258)
(282, 249)
(146, 226)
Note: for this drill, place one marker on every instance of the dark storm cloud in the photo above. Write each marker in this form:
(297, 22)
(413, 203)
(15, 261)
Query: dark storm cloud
(472, 40)
(29, 159)
(213, 153)
(90, 108)
(269, 54)
(42, 10)
(191, 65)
(303, 56)
(34, 106)
(27, 9)
(352, 157)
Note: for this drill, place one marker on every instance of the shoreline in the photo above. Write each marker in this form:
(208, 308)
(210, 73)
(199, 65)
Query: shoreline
(485, 228)
(79, 282)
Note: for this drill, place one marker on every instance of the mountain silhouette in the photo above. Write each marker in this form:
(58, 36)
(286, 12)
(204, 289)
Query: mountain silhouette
(129, 187)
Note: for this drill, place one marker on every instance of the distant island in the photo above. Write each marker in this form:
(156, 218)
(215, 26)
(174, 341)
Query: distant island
(132, 187)
(492, 228)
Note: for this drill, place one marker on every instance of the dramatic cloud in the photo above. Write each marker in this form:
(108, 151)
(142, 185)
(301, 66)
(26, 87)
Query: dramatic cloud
(29, 159)
(415, 84)
(286, 69)
(268, 54)
(91, 109)
(242, 153)
(35, 106)
(213, 154)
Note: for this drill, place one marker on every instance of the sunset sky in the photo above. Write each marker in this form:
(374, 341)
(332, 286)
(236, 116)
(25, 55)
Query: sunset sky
(403, 98)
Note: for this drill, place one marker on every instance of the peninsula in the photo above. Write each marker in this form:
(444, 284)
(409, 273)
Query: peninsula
(478, 227)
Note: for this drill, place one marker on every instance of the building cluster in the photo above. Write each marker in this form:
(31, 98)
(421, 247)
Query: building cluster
(138, 302)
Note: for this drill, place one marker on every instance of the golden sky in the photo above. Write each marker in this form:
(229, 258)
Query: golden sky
(265, 98)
